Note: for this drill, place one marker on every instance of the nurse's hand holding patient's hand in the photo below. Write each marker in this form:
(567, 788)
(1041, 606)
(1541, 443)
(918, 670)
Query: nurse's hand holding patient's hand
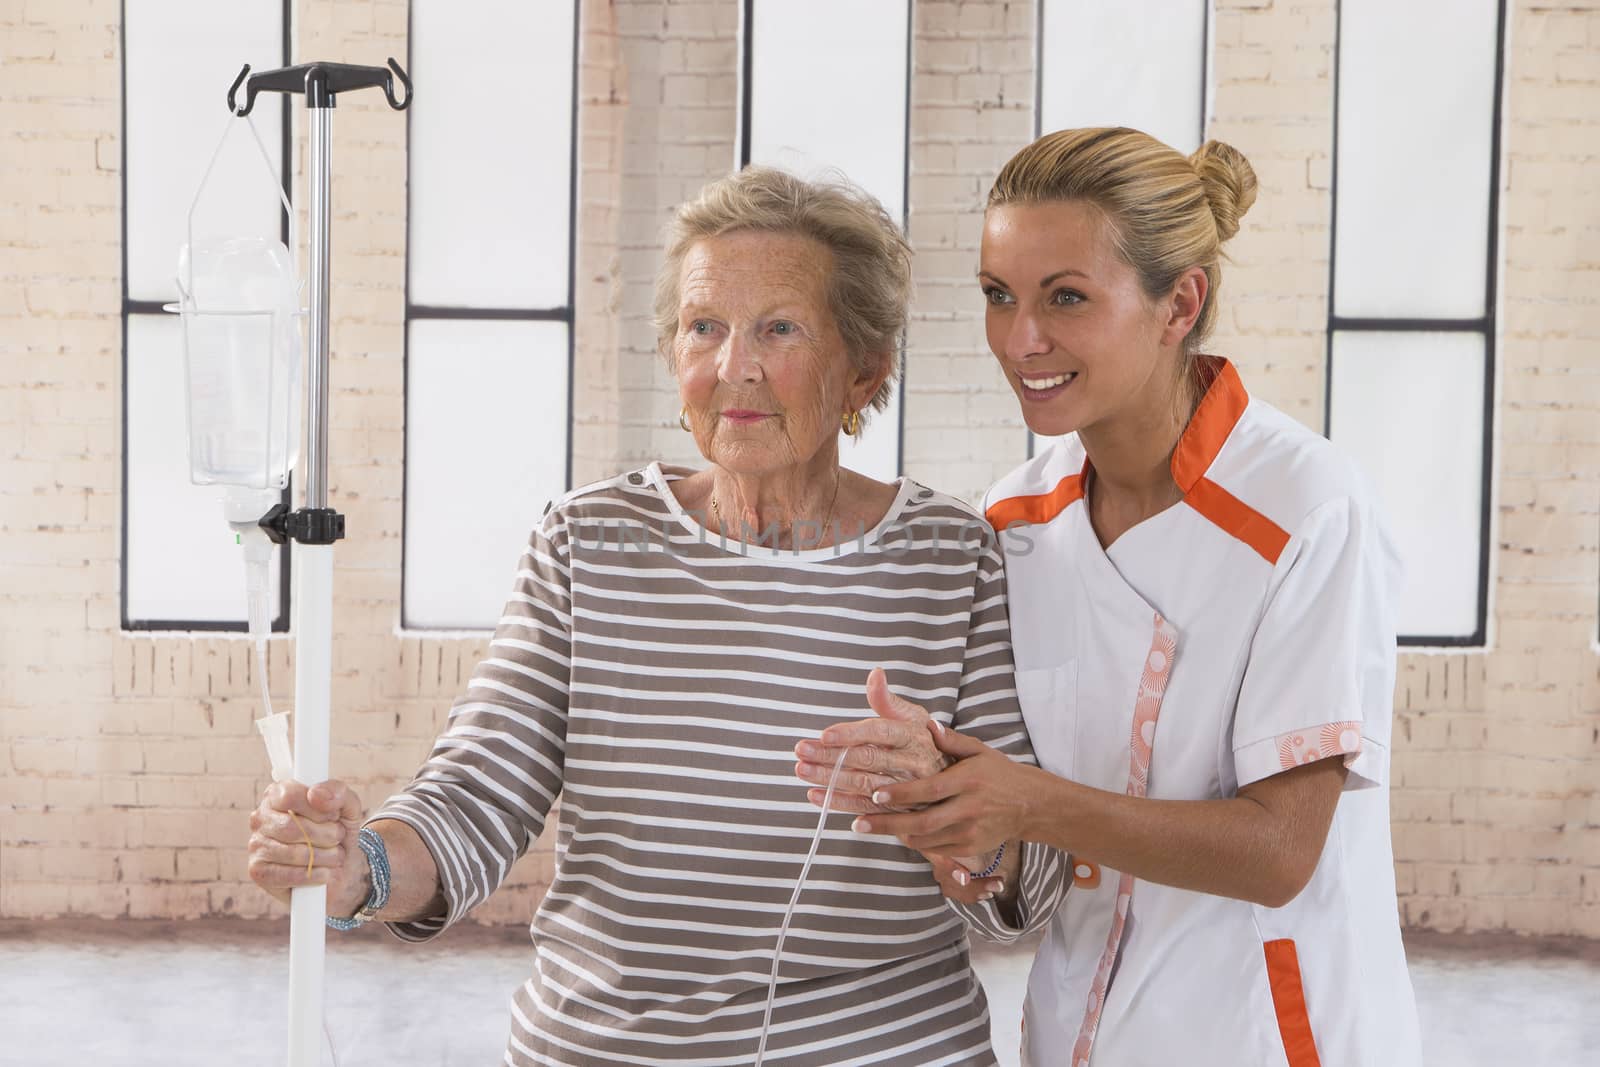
(968, 809)
(894, 746)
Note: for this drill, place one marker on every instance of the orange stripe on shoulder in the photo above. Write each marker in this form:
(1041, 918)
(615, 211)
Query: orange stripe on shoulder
(1036, 509)
(1289, 1001)
(1238, 519)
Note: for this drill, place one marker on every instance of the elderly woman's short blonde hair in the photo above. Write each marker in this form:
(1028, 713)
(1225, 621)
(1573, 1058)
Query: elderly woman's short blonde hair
(869, 283)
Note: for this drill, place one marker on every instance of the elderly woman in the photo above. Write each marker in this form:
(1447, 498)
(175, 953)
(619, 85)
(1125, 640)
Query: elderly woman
(671, 635)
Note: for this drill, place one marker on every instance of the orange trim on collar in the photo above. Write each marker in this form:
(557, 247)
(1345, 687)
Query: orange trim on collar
(1218, 413)
(1041, 508)
(1214, 419)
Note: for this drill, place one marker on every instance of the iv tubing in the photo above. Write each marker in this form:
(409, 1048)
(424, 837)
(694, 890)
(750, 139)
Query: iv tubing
(788, 915)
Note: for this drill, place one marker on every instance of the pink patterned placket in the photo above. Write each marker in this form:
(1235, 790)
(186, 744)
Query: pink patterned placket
(1141, 744)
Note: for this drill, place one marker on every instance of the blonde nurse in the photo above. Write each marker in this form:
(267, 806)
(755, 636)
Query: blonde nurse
(1203, 615)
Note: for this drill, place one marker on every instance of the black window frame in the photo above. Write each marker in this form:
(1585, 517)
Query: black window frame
(416, 312)
(131, 307)
(1485, 325)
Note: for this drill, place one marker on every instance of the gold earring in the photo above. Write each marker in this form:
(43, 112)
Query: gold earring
(852, 423)
(683, 422)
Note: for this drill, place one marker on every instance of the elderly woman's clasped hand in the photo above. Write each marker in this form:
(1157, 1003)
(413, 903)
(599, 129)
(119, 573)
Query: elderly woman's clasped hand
(893, 747)
(900, 745)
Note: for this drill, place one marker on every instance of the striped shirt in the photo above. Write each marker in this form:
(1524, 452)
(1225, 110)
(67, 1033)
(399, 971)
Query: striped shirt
(657, 678)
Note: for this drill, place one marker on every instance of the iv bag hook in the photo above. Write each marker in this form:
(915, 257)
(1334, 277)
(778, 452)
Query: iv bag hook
(320, 82)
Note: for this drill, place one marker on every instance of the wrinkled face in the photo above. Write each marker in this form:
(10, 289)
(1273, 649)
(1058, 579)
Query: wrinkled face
(761, 366)
(1073, 329)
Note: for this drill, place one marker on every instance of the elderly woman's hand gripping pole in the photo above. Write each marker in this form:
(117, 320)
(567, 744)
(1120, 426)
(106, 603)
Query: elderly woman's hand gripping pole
(903, 744)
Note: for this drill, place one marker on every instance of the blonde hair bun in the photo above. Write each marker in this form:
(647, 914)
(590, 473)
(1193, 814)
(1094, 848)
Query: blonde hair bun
(1229, 181)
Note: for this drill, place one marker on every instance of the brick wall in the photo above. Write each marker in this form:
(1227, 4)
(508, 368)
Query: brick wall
(680, 131)
(1273, 76)
(1497, 819)
(128, 762)
(60, 340)
(972, 90)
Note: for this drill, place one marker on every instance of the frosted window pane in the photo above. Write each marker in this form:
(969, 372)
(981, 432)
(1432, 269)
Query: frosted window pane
(1416, 99)
(491, 153)
(828, 90)
(486, 449)
(181, 57)
(876, 452)
(183, 564)
(1137, 63)
(1409, 408)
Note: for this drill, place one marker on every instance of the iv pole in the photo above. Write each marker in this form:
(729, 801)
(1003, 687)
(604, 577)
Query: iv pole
(315, 527)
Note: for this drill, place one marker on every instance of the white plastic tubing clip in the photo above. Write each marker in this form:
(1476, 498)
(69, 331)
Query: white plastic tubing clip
(275, 732)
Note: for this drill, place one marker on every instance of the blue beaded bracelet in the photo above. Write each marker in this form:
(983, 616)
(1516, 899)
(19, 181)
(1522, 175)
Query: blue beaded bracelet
(995, 866)
(378, 860)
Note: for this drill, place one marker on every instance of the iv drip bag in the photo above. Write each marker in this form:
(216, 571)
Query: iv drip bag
(239, 298)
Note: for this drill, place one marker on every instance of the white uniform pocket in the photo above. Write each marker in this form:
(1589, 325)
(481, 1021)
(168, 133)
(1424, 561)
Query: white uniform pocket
(1049, 699)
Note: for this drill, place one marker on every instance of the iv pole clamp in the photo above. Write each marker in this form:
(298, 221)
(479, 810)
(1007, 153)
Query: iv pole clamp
(316, 526)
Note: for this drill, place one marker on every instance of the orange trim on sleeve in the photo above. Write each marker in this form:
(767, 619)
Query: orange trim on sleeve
(1238, 519)
(1036, 509)
(1289, 1001)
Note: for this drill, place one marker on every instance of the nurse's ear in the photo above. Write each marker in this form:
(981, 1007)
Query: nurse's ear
(1182, 306)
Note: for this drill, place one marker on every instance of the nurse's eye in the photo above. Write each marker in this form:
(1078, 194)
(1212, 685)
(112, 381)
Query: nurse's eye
(1066, 297)
(996, 296)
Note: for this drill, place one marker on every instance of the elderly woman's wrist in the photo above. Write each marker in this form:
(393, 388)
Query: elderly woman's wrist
(354, 896)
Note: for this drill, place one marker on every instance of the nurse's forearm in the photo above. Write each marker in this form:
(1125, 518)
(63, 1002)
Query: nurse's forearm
(1261, 846)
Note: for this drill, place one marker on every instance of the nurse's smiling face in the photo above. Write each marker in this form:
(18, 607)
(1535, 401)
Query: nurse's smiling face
(1078, 338)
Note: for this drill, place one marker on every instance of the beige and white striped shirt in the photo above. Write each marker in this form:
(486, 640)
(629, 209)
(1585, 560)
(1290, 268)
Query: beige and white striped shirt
(656, 678)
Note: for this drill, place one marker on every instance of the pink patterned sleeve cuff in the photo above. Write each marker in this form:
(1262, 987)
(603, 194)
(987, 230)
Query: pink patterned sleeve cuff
(1367, 760)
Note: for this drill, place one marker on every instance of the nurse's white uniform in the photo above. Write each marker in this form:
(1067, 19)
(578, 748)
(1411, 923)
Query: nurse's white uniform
(1244, 631)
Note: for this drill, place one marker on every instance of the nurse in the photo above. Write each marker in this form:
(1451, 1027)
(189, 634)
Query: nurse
(1203, 615)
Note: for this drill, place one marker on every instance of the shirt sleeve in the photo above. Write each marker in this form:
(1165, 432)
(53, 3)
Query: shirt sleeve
(481, 798)
(1319, 681)
(987, 710)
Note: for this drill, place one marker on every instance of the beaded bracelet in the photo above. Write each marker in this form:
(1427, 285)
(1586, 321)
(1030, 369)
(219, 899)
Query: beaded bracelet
(995, 866)
(378, 860)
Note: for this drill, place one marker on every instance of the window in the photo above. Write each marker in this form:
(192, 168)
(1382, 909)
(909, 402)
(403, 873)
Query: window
(813, 125)
(180, 567)
(1412, 303)
(1139, 63)
(488, 297)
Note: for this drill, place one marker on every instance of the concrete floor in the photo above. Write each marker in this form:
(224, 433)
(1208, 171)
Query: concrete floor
(140, 994)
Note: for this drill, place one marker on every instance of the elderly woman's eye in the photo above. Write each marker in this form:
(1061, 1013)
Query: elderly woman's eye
(783, 328)
(700, 326)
